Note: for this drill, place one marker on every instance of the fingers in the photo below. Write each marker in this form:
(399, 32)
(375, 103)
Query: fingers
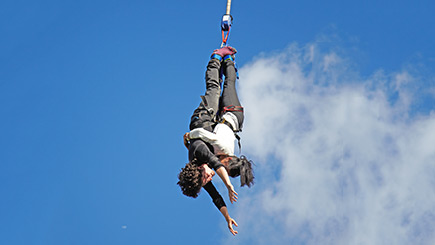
(186, 140)
(232, 194)
(186, 136)
(230, 226)
(233, 198)
(234, 232)
(233, 191)
(235, 223)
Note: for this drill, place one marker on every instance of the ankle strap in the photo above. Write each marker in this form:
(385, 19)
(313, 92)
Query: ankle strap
(216, 56)
(228, 57)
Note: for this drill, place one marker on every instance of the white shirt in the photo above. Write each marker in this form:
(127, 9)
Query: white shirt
(222, 139)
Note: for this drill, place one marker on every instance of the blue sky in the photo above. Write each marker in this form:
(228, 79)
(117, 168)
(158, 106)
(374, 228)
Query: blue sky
(96, 95)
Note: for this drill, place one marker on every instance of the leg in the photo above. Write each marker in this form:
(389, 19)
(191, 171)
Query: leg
(213, 86)
(204, 115)
(229, 95)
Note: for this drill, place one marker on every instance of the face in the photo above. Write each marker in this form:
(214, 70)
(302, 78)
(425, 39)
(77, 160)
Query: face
(207, 175)
(224, 159)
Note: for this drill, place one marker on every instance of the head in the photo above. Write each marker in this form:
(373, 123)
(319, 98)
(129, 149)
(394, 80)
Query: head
(240, 166)
(225, 159)
(192, 177)
(207, 174)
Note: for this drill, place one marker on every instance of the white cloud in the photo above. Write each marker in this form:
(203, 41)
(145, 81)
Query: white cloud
(338, 159)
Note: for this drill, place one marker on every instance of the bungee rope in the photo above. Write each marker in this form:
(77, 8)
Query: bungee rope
(228, 6)
(226, 24)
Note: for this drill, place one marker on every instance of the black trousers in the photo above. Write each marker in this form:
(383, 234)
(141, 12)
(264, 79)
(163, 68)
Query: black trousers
(229, 95)
(212, 104)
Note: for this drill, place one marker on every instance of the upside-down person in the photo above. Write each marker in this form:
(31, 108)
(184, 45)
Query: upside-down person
(202, 160)
(230, 119)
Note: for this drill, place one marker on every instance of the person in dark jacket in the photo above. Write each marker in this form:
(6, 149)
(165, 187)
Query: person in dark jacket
(203, 163)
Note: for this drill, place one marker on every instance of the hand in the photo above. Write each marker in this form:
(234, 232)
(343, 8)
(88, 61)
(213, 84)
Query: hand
(186, 138)
(232, 193)
(222, 172)
(230, 226)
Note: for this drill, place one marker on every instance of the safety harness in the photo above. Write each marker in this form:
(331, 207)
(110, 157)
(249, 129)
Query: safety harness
(233, 108)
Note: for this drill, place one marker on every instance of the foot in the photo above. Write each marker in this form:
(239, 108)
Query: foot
(222, 52)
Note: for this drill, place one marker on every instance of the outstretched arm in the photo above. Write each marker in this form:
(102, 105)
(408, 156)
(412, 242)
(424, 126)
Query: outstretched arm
(230, 221)
(222, 172)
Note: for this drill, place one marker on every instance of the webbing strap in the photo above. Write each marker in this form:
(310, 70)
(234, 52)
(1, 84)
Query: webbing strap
(225, 37)
(238, 142)
(216, 56)
(235, 134)
(228, 124)
(233, 108)
(228, 57)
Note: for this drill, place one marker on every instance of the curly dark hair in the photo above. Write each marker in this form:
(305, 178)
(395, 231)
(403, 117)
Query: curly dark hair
(241, 166)
(190, 179)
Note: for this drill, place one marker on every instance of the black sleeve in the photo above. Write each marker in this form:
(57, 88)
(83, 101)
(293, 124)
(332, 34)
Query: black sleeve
(203, 154)
(215, 196)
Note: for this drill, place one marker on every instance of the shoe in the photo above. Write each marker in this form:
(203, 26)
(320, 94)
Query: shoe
(222, 52)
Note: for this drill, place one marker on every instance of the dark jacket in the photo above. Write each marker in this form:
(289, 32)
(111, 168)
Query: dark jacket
(203, 152)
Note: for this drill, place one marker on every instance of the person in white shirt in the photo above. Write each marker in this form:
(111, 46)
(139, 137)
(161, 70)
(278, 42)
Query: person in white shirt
(203, 163)
(230, 119)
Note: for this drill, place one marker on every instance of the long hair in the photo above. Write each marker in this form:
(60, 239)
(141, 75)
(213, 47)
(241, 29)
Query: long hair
(241, 166)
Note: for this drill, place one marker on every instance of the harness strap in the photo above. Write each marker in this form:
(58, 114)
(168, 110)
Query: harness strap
(225, 36)
(228, 124)
(239, 143)
(235, 134)
(216, 56)
(233, 108)
(228, 57)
